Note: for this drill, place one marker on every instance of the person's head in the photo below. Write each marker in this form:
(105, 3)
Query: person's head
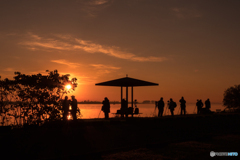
(106, 98)
(73, 97)
(182, 98)
(170, 99)
(161, 98)
(66, 97)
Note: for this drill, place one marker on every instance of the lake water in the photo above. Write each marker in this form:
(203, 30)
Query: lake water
(89, 111)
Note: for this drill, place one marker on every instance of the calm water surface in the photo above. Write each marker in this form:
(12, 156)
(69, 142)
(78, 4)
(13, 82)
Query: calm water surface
(147, 110)
(90, 111)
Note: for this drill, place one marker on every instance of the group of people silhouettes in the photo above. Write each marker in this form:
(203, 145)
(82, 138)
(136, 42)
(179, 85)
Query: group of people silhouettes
(125, 110)
(171, 105)
(160, 105)
(200, 108)
(67, 110)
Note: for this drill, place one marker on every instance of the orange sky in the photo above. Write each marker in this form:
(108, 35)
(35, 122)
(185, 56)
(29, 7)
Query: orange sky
(191, 48)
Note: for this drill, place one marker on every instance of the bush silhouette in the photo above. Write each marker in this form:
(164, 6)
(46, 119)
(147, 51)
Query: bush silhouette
(232, 97)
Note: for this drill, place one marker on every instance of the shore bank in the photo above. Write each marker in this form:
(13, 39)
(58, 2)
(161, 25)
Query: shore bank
(106, 139)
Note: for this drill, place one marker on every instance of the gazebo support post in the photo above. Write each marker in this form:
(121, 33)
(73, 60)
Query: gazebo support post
(132, 100)
(127, 98)
(121, 94)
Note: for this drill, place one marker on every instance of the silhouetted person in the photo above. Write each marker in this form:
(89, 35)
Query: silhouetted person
(183, 105)
(136, 111)
(199, 105)
(172, 106)
(160, 105)
(106, 107)
(74, 108)
(124, 108)
(208, 104)
(65, 106)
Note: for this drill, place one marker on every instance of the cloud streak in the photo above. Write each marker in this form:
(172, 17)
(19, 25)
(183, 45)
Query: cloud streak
(68, 43)
(102, 66)
(65, 62)
(104, 69)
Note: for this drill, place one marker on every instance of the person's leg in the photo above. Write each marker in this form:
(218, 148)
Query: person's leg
(106, 115)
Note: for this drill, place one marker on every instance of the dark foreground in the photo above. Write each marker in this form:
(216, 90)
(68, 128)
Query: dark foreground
(178, 138)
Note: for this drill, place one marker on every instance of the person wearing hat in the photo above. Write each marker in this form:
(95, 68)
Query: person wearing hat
(74, 108)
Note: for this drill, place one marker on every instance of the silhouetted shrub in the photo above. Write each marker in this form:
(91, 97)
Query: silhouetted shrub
(34, 99)
(232, 97)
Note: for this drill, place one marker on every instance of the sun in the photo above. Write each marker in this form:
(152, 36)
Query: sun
(68, 86)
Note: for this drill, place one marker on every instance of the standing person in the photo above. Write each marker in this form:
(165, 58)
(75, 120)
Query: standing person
(136, 111)
(106, 107)
(123, 108)
(172, 106)
(65, 106)
(74, 108)
(183, 105)
(199, 106)
(160, 107)
(208, 104)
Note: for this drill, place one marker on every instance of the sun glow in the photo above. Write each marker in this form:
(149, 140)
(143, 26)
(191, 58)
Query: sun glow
(68, 86)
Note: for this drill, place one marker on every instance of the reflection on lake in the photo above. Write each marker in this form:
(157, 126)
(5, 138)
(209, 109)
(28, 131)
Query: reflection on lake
(89, 111)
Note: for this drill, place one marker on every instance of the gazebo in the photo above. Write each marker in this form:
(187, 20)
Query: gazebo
(126, 82)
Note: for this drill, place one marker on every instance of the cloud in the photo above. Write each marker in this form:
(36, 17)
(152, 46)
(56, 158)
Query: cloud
(102, 66)
(65, 62)
(9, 70)
(104, 69)
(69, 43)
(92, 7)
(99, 2)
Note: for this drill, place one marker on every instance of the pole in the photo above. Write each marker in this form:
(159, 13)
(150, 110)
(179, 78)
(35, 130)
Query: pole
(121, 94)
(166, 110)
(99, 113)
(154, 112)
(132, 101)
(194, 109)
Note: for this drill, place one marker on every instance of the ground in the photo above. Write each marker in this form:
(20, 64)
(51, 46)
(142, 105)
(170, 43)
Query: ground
(167, 138)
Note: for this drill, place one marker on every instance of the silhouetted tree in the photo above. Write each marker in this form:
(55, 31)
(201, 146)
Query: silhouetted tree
(232, 97)
(6, 100)
(37, 98)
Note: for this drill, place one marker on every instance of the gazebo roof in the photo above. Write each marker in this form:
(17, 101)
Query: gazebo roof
(127, 81)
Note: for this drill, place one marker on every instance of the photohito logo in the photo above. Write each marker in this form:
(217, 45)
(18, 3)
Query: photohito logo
(212, 153)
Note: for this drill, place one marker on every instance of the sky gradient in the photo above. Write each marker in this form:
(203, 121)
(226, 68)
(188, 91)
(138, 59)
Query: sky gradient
(190, 47)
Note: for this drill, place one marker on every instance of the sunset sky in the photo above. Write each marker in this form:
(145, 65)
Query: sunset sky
(190, 47)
